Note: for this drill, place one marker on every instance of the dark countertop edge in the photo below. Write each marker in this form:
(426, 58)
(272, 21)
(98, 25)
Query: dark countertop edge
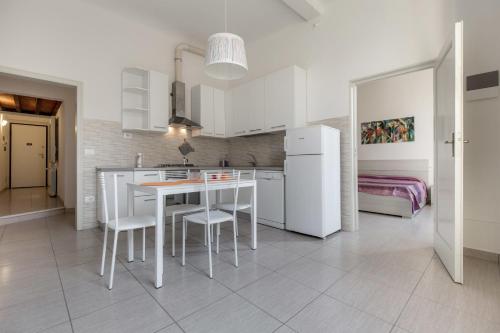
(202, 167)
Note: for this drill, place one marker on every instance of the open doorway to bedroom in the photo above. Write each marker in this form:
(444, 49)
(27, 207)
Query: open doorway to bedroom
(38, 148)
(395, 141)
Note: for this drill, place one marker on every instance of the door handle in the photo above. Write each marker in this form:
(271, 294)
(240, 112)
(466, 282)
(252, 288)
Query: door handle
(452, 143)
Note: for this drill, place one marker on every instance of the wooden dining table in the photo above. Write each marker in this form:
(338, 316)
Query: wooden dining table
(161, 190)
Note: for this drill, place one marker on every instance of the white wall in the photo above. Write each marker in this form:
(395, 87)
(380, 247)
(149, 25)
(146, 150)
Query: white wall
(355, 39)
(83, 42)
(481, 122)
(67, 158)
(406, 95)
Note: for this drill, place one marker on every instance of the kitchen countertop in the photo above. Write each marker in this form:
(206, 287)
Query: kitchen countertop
(199, 167)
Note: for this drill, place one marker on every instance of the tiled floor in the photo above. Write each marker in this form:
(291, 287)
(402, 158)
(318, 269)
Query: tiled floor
(384, 278)
(25, 200)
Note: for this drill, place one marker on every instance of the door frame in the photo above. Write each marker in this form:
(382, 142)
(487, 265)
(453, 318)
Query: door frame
(353, 115)
(79, 129)
(46, 151)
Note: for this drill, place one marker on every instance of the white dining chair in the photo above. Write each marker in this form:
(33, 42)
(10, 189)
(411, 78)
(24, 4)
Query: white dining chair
(119, 224)
(239, 206)
(212, 217)
(179, 209)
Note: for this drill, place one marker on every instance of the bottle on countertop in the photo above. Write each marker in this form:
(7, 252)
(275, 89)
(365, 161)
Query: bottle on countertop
(138, 160)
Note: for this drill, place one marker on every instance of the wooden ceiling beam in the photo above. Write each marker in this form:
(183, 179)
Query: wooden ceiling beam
(37, 106)
(17, 102)
(56, 107)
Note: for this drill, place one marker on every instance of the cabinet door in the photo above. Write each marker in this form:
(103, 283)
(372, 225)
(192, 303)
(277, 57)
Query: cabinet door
(145, 205)
(159, 101)
(270, 199)
(256, 105)
(219, 113)
(280, 99)
(238, 111)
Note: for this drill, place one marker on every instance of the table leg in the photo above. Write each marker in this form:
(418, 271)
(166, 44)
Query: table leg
(159, 241)
(130, 233)
(254, 217)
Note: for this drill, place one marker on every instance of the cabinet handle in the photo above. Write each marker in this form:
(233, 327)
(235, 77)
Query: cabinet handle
(149, 200)
(240, 132)
(278, 126)
(150, 175)
(220, 134)
(120, 176)
(162, 127)
(256, 130)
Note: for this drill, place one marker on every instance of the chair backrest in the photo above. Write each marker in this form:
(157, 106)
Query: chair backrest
(101, 179)
(213, 177)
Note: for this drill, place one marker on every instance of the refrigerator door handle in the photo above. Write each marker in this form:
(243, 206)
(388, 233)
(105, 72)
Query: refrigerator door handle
(285, 143)
(284, 168)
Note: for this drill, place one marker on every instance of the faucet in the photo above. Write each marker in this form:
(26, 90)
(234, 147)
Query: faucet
(253, 162)
(185, 160)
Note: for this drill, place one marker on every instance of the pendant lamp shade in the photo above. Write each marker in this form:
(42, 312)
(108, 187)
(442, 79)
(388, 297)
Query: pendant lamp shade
(225, 58)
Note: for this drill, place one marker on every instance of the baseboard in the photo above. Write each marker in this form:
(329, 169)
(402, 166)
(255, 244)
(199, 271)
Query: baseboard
(488, 256)
(31, 215)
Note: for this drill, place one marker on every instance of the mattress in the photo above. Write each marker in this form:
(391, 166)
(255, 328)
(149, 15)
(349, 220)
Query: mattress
(409, 189)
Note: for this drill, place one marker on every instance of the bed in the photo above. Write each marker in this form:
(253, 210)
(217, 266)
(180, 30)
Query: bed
(393, 187)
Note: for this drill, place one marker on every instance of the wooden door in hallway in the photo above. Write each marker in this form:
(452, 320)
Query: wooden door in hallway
(28, 155)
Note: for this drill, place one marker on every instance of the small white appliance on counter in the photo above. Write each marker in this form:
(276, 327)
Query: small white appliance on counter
(312, 180)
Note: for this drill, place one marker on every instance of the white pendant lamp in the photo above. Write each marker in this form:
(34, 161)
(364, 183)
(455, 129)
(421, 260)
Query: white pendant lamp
(225, 58)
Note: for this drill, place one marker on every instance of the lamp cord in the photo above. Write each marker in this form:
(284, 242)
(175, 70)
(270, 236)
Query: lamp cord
(225, 15)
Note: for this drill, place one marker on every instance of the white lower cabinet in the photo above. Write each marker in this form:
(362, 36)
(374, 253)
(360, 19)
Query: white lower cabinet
(145, 205)
(271, 198)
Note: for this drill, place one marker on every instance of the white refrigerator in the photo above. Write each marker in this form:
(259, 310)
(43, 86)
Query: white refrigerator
(312, 180)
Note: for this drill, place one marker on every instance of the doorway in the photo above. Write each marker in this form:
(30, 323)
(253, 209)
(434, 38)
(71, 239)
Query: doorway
(28, 155)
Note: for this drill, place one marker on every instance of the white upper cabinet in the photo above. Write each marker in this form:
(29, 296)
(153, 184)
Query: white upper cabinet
(145, 100)
(219, 113)
(208, 109)
(274, 102)
(159, 101)
(285, 99)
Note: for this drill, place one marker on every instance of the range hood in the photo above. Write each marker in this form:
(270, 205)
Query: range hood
(179, 118)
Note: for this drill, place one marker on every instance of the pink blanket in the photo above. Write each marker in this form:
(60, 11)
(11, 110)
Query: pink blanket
(409, 188)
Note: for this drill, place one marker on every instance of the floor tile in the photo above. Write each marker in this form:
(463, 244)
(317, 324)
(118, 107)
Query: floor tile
(35, 315)
(238, 277)
(174, 328)
(331, 256)
(284, 329)
(369, 296)
(271, 257)
(94, 295)
(60, 328)
(138, 314)
(279, 296)
(422, 315)
(188, 295)
(328, 315)
(230, 314)
(312, 274)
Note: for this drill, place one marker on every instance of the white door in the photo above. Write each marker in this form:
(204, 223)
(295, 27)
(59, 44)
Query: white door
(280, 104)
(28, 155)
(159, 101)
(448, 226)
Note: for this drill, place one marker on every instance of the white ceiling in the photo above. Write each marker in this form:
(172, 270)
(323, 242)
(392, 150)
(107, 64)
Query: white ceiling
(197, 19)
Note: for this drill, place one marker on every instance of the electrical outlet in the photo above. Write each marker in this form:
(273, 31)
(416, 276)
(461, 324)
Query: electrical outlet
(127, 135)
(89, 199)
(89, 151)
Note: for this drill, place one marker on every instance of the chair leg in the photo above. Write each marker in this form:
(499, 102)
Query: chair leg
(105, 243)
(236, 224)
(235, 228)
(209, 251)
(184, 222)
(218, 233)
(205, 235)
(212, 233)
(113, 259)
(173, 234)
(144, 244)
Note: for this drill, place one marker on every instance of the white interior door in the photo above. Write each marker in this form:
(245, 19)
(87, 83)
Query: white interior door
(28, 155)
(448, 226)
